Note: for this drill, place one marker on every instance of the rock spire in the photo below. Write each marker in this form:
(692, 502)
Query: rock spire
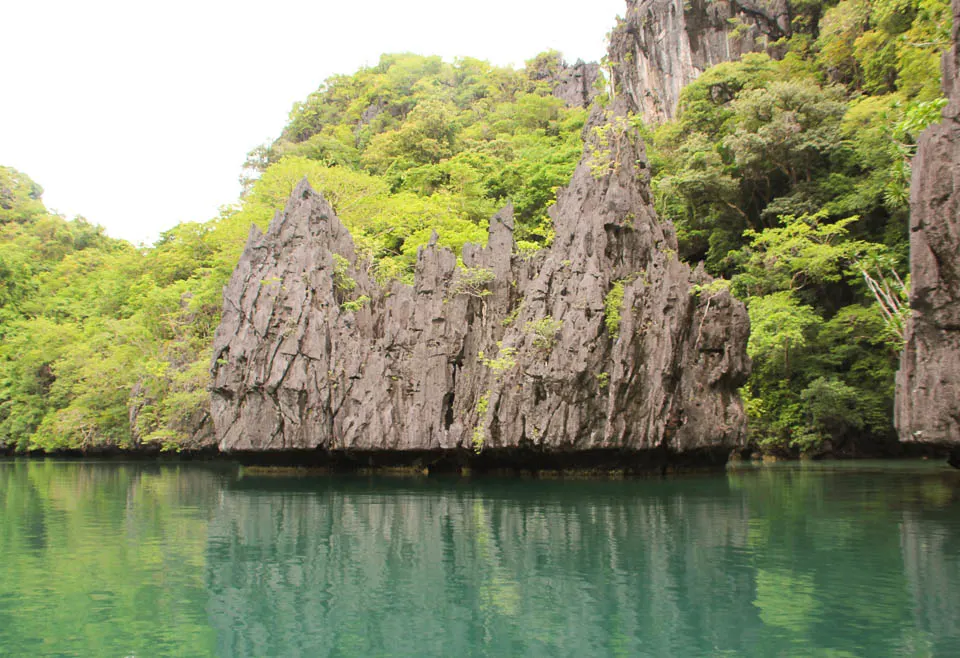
(603, 342)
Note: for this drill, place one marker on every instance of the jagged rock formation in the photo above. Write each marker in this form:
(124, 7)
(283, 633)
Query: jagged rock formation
(512, 352)
(928, 384)
(577, 85)
(664, 45)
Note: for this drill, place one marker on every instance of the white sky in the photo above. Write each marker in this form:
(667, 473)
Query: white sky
(139, 115)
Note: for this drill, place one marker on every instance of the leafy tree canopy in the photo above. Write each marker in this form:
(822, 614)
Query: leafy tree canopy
(788, 177)
(105, 344)
(791, 177)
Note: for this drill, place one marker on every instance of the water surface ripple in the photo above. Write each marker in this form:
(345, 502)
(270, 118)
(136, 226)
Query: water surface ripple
(848, 559)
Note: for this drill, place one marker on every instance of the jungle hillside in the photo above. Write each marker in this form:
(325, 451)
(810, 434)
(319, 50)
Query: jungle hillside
(787, 177)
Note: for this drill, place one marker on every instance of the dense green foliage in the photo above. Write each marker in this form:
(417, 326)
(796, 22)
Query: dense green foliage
(791, 178)
(787, 177)
(93, 327)
(97, 333)
(426, 144)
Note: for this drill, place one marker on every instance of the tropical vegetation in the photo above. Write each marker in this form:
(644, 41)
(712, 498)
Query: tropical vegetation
(788, 176)
(791, 177)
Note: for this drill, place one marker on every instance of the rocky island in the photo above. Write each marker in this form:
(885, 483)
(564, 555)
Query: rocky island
(604, 349)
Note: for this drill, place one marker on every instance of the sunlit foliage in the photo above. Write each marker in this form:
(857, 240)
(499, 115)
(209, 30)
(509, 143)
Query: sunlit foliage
(792, 178)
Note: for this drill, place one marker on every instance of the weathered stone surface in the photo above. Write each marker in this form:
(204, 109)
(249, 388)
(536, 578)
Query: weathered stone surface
(577, 84)
(521, 361)
(664, 45)
(928, 384)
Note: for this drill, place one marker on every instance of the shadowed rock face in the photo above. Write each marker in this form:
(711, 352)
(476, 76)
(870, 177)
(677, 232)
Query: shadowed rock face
(512, 352)
(664, 45)
(577, 84)
(928, 384)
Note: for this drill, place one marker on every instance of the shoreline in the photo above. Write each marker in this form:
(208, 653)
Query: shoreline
(522, 462)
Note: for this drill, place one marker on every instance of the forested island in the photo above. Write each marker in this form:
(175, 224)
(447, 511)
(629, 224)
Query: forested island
(757, 162)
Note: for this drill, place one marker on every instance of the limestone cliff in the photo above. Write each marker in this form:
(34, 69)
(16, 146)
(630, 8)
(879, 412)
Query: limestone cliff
(510, 352)
(576, 85)
(664, 45)
(928, 384)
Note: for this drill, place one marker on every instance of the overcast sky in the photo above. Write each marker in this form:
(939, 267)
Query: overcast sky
(139, 115)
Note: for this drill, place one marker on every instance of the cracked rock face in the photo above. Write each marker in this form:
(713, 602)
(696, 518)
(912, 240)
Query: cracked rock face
(509, 352)
(928, 384)
(664, 45)
(577, 84)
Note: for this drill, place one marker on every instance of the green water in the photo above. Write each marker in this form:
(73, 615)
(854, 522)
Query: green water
(144, 560)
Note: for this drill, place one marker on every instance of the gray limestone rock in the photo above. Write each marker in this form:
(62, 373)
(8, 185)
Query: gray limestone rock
(928, 384)
(664, 45)
(577, 85)
(509, 352)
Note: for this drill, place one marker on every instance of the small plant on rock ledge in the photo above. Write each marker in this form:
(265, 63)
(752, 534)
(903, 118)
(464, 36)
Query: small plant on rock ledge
(613, 303)
(472, 281)
(342, 281)
(544, 332)
(604, 146)
(478, 433)
(513, 315)
(356, 304)
(505, 360)
(612, 308)
(477, 439)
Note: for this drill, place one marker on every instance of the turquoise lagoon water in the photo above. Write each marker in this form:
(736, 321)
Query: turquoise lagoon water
(108, 559)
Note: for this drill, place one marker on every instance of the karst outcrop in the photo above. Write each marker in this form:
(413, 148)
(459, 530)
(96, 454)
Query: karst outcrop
(928, 384)
(661, 46)
(604, 342)
(575, 84)
(578, 84)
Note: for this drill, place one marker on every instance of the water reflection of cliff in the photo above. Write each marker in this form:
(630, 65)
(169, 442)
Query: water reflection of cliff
(123, 559)
(854, 563)
(761, 563)
(930, 543)
(497, 568)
